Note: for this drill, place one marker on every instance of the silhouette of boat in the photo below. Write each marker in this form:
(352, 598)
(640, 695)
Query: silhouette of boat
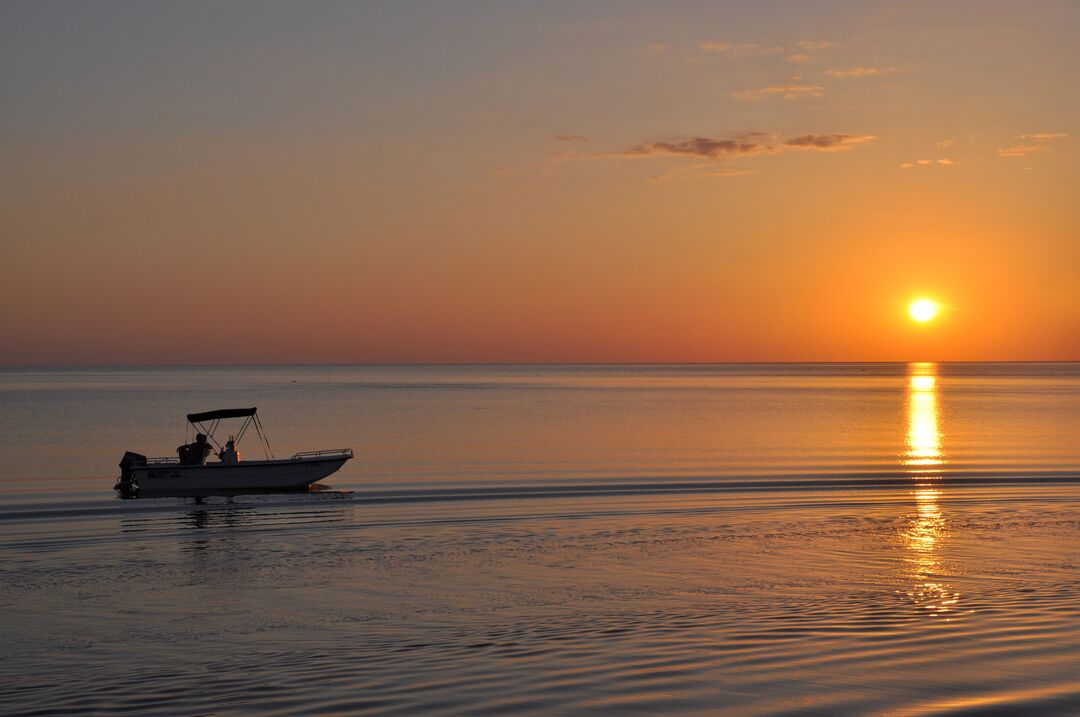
(191, 474)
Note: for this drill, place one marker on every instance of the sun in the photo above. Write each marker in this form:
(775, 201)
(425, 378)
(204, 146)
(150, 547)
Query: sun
(923, 310)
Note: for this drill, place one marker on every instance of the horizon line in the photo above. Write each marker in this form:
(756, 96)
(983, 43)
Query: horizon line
(522, 363)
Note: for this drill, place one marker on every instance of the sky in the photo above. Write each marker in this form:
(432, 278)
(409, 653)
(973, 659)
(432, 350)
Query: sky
(260, 182)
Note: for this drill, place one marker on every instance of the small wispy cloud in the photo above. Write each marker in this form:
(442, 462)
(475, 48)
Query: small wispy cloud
(861, 72)
(1043, 136)
(737, 50)
(699, 171)
(829, 142)
(1020, 150)
(793, 89)
(814, 45)
(573, 138)
(743, 145)
(797, 52)
(946, 143)
(1030, 143)
(928, 163)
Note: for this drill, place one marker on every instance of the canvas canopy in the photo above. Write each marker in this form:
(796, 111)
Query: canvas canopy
(220, 413)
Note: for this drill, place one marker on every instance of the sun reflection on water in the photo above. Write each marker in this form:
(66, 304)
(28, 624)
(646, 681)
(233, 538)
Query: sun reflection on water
(923, 436)
(925, 529)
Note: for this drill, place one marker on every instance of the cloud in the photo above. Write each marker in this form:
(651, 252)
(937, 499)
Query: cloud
(743, 145)
(945, 143)
(928, 163)
(1043, 136)
(789, 91)
(699, 171)
(1020, 150)
(736, 50)
(655, 48)
(797, 52)
(861, 72)
(829, 142)
(813, 45)
(1024, 148)
(574, 138)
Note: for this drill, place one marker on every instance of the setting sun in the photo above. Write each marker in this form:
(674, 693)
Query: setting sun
(923, 310)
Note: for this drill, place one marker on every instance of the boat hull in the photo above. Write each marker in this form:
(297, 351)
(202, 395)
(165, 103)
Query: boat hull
(246, 475)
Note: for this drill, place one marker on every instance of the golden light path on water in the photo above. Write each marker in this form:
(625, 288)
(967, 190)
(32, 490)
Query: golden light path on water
(926, 529)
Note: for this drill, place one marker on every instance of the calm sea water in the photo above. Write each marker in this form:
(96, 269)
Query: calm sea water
(743, 539)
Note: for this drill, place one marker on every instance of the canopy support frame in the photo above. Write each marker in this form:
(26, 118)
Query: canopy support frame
(250, 417)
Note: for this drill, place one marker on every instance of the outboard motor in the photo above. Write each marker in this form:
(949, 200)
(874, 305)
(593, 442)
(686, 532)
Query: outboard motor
(127, 484)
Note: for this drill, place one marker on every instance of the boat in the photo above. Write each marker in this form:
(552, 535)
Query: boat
(191, 474)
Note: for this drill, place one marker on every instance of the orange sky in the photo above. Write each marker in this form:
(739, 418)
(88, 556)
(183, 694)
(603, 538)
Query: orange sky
(707, 182)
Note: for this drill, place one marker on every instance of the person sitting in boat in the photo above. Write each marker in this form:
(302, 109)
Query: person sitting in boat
(194, 454)
(229, 454)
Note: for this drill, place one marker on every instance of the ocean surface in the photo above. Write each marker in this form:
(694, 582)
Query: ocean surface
(772, 539)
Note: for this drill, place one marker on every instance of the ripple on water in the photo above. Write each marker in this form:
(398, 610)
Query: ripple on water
(796, 607)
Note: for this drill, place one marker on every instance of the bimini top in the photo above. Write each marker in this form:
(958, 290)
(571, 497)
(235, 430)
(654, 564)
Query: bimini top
(220, 413)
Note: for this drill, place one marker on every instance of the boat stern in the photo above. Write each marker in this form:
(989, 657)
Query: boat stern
(127, 483)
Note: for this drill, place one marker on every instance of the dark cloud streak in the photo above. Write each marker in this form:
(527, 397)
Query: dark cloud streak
(743, 145)
(828, 142)
(701, 147)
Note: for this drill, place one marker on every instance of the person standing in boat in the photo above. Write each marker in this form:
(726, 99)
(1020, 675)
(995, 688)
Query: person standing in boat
(194, 454)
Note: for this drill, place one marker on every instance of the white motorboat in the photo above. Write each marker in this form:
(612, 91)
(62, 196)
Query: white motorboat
(191, 474)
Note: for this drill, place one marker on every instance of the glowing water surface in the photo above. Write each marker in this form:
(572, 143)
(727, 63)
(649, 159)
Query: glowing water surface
(812, 539)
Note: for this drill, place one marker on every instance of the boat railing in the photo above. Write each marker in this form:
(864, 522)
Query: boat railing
(168, 460)
(329, 453)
